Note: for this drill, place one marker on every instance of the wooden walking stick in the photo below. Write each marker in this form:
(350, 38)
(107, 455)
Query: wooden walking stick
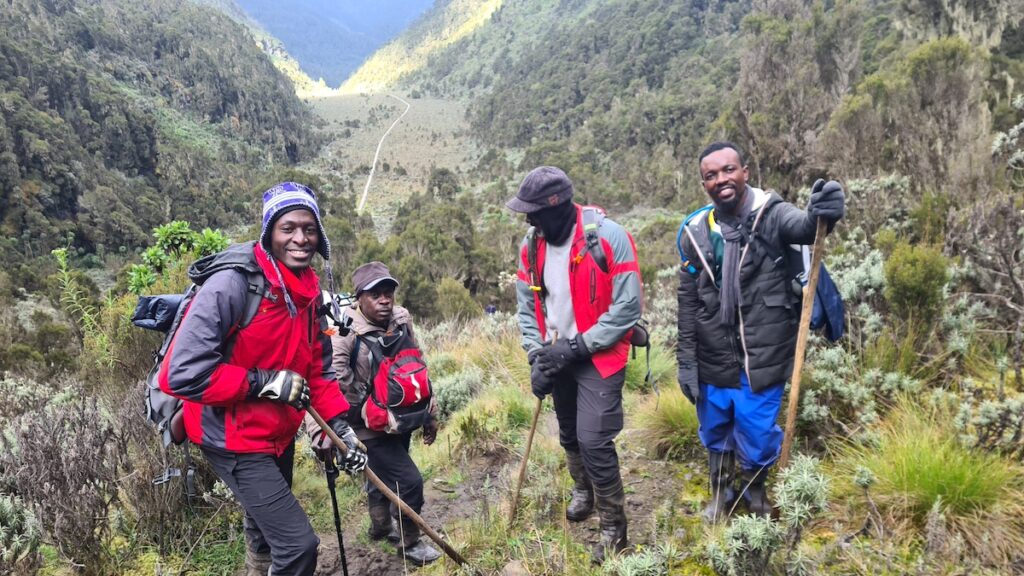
(818, 252)
(526, 455)
(406, 510)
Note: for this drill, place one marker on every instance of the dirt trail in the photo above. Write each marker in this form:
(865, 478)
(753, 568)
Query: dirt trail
(485, 488)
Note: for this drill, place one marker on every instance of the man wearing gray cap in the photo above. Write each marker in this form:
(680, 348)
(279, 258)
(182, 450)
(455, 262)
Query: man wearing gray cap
(379, 328)
(579, 285)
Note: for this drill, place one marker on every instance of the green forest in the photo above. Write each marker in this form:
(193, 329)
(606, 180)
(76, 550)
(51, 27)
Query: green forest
(136, 137)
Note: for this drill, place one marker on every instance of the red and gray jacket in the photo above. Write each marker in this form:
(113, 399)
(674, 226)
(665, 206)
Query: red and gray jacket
(607, 304)
(215, 388)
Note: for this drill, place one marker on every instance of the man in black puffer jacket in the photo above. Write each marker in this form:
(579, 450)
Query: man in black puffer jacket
(739, 317)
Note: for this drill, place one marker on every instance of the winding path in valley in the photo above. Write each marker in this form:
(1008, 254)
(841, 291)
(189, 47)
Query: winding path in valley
(376, 155)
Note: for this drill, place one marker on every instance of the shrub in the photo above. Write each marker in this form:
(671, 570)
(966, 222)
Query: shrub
(452, 392)
(455, 302)
(914, 280)
(748, 545)
(67, 461)
(19, 538)
(654, 561)
(917, 461)
(670, 424)
(745, 547)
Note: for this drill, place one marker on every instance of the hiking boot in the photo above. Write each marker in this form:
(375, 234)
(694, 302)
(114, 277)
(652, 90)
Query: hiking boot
(413, 549)
(754, 492)
(611, 508)
(720, 465)
(581, 506)
(381, 524)
(256, 563)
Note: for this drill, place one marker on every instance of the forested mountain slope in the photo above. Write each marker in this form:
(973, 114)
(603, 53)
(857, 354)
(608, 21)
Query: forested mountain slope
(116, 117)
(624, 93)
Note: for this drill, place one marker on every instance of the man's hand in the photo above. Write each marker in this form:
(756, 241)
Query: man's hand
(553, 359)
(540, 383)
(688, 381)
(430, 432)
(353, 461)
(827, 200)
(282, 386)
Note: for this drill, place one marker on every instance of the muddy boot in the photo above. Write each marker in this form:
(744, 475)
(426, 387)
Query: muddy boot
(611, 508)
(582, 504)
(381, 525)
(413, 548)
(256, 563)
(754, 491)
(723, 496)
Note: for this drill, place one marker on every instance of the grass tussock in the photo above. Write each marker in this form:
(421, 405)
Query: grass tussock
(924, 479)
(670, 425)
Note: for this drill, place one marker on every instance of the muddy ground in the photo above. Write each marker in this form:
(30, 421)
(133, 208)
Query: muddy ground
(650, 485)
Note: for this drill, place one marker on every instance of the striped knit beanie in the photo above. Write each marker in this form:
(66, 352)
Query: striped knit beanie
(285, 197)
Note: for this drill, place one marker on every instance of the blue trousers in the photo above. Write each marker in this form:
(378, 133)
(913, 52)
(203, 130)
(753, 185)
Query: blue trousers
(741, 420)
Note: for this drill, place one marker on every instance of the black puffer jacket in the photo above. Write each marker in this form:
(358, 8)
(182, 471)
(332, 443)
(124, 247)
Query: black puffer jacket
(764, 340)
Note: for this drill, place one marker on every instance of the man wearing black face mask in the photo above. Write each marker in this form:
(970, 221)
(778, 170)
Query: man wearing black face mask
(579, 279)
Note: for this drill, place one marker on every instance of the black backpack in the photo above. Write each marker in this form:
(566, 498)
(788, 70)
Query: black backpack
(165, 312)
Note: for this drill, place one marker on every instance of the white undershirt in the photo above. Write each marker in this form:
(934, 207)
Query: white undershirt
(558, 303)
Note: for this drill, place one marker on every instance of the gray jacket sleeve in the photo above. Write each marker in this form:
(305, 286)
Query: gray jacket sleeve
(526, 308)
(197, 370)
(627, 293)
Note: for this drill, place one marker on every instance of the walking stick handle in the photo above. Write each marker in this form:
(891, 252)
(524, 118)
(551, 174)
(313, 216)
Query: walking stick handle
(801, 339)
(387, 492)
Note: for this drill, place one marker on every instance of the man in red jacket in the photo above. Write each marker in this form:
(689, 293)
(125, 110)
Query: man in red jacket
(579, 278)
(246, 390)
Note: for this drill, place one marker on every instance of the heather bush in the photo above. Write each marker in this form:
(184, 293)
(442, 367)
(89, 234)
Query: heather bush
(453, 391)
(67, 461)
(748, 546)
(19, 538)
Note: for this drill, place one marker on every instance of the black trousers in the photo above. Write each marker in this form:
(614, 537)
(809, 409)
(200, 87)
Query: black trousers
(274, 520)
(388, 458)
(589, 412)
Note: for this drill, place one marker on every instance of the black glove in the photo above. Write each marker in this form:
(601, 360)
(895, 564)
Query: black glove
(540, 383)
(564, 352)
(688, 381)
(282, 386)
(430, 432)
(531, 356)
(353, 461)
(827, 200)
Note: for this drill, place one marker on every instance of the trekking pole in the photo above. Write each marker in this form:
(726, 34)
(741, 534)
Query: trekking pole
(405, 509)
(526, 454)
(331, 469)
(801, 338)
(523, 465)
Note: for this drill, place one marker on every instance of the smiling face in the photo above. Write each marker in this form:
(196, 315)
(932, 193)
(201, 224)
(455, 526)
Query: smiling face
(294, 239)
(724, 178)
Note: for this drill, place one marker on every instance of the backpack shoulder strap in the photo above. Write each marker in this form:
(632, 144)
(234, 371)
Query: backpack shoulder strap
(593, 216)
(535, 271)
(255, 291)
(688, 264)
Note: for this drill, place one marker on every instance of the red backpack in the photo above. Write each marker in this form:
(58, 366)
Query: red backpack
(399, 397)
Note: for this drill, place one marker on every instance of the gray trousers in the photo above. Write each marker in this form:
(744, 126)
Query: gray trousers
(589, 412)
(274, 520)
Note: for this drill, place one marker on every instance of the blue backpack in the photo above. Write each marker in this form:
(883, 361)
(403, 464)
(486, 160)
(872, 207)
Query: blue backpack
(829, 313)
